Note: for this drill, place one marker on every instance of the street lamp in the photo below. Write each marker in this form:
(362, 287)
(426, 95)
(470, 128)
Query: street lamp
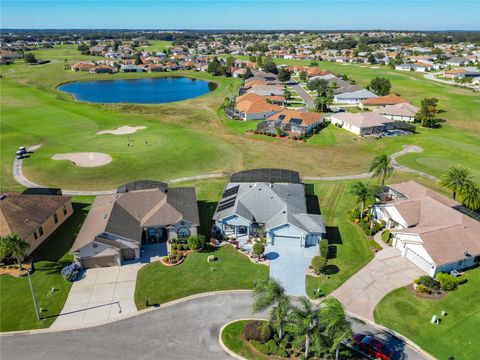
(33, 296)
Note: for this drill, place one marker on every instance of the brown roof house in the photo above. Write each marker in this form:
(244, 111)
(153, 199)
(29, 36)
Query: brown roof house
(139, 213)
(33, 217)
(431, 230)
(294, 123)
(254, 107)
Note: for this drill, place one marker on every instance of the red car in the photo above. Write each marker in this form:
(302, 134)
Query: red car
(373, 347)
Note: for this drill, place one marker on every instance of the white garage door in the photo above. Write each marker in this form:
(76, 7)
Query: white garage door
(418, 260)
(286, 241)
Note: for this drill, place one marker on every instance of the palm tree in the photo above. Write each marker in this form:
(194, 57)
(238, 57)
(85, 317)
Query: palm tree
(381, 168)
(456, 179)
(362, 192)
(14, 246)
(334, 324)
(270, 293)
(304, 322)
(471, 196)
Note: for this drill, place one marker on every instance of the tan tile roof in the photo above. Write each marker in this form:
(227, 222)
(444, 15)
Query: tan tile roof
(253, 103)
(307, 118)
(446, 233)
(24, 214)
(362, 120)
(405, 109)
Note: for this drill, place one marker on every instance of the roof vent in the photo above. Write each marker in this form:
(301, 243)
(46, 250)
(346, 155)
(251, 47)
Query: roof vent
(3, 196)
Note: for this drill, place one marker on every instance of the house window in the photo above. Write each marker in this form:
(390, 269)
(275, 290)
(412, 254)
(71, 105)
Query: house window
(40, 231)
(183, 233)
(35, 236)
(55, 218)
(64, 209)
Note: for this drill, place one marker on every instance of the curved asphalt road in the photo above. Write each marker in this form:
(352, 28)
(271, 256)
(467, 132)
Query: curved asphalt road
(187, 330)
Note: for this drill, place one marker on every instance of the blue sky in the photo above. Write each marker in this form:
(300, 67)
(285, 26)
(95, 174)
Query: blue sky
(243, 14)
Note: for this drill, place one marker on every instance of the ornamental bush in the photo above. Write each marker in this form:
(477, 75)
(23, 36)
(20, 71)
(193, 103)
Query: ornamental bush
(71, 272)
(429, 282)
(258, 248)
(387, 237)
(422, 289)
(447, 282)
(269, 348)
(196, 242)
(318, 264)
(323, 245)
(257, 330)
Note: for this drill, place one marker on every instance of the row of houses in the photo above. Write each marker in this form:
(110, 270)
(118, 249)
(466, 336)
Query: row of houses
(429, 229)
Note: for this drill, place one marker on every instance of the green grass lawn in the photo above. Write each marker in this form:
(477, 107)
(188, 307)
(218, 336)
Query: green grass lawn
(232, 270)
(17, 311)
(458, 333)
(194, 133)
(348, 247)
(232, 337)
(156, 45)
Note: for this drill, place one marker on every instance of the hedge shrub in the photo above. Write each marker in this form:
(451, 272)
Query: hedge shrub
(257, 330)
(447, 282)
(196, 242)
(318, 264)
(429, 282)
(323, 245)
(269, 348)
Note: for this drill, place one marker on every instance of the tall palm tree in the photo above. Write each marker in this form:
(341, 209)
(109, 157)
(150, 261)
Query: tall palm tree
(382, 168)
(456, 179)
(304, 322)
(270, 293)
(14, 246)
(362, 192)
(471, 196)
(334, 324)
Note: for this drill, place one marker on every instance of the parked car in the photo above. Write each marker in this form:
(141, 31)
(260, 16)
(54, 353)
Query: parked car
(373, 347)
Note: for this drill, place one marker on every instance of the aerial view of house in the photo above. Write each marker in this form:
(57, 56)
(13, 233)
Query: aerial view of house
(248, 180)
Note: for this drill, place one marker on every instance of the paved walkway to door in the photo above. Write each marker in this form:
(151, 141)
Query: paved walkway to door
(386, 272)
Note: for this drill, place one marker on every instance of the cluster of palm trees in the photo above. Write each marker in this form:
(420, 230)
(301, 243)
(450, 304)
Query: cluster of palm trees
(317, 331)
(459, 180)
(381, 169)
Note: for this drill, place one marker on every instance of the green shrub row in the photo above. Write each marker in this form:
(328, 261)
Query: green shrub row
(323, 245)
(269, 348)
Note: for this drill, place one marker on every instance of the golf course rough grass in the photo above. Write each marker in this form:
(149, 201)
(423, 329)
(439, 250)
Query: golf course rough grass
(157, 283)
(193, 137)
(457, 334)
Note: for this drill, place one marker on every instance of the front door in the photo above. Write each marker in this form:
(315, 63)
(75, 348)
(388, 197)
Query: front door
(155, 235)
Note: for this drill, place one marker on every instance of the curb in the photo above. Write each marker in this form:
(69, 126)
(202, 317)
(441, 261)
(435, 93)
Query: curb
(392, 332)
(127, 316)
(224, 347)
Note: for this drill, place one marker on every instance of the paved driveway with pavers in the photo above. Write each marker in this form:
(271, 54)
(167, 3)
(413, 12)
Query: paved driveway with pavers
(288, 266)
(104, 294)
(386, 272)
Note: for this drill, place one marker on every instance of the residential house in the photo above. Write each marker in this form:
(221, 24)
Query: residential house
(132, 68)
(269, 201)
(254, 107)
(431, 230)
(353, 97)
(33, 217)
(381, 101)
(294, 123)
(141, 212)
(367, 123)
(82, 66)
(399, 112)
(102, 69)
(457, 61)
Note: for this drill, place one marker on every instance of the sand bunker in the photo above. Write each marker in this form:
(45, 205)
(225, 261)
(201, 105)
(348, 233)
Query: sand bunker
(85, 159)
(122, 130)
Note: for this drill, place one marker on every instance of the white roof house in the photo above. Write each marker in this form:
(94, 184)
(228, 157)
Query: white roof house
(275, 204)
(353, 97)
(399, 112)
(365, 123)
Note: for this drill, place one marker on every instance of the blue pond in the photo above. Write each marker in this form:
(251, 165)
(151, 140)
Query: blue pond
(138, 91)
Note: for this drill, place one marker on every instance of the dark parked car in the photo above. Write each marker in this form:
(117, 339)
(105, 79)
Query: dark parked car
(373, 347)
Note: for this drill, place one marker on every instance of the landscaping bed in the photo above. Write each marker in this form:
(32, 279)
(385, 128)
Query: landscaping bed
(232, 338)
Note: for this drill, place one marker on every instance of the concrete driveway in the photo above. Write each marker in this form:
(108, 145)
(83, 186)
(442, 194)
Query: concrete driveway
(104, 294)
(288, 266)
(386, 272)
